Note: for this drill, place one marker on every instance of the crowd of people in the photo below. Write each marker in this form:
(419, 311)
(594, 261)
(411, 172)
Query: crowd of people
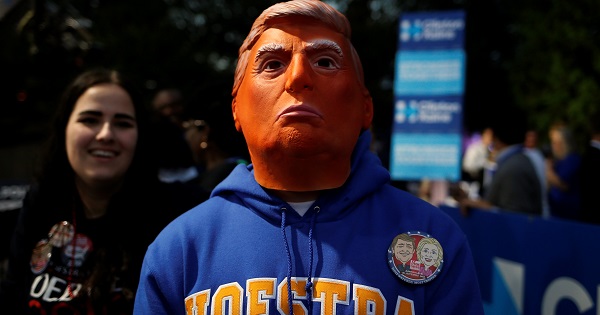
(521, 175)
(284, 177)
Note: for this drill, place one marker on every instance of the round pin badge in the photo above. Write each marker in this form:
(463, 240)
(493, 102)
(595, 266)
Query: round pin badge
(415, 257)
(40, 256)
(61, 233)
(74, 254)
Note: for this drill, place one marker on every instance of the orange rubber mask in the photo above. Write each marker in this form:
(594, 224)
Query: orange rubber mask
(301, 106)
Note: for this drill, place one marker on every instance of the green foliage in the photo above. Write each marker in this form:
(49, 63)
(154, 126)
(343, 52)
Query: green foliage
(544, 56)
(555, 73)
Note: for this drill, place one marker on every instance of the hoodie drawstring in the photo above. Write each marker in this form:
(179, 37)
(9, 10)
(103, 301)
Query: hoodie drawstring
(309, 284)
(289, 261)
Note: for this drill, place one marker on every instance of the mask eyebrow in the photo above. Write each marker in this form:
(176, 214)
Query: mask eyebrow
(267, 48)
(324, 44)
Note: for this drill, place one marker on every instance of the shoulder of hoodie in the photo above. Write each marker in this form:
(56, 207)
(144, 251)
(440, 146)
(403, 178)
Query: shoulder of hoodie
(417, 214)
(409, 201)
(202, 216)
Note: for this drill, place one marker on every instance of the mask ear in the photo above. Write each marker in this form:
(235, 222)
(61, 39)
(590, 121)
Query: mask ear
(238, 126)
(368, 109)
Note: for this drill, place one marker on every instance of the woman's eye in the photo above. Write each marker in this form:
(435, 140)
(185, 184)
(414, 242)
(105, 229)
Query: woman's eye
(273, 65)
(124, 124)
(88, 120)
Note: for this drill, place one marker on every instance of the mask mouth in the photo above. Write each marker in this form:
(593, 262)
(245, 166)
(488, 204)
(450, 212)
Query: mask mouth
(300, 110)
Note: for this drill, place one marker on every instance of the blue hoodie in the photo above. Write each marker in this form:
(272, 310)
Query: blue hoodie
(236, 253)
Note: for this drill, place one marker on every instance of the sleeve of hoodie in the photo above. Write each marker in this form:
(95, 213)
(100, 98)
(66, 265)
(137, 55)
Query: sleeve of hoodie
(459, 293)
(160, 290)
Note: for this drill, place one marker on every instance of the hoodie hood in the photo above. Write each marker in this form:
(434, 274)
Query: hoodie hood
(366, 176)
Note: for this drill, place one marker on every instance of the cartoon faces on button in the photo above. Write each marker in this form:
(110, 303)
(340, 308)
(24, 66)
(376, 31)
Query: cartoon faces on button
(415, 257)
(430, 254)
(404, 248)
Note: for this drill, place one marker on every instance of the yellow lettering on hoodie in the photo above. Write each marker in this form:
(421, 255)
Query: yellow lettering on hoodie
(404, 306)
(197, 304)
(330, 292)
(232, 294)
(259, 292)
(298, 291)
(368, 300)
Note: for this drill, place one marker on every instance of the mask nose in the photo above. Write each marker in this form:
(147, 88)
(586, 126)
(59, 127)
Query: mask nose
(299, 75)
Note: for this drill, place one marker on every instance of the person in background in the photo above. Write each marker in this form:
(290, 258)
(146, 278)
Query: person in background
(535, 154)
(476, 155)
(175, 159)
(563, 174)
(93, 208)
(515, 184)
(218, 148)
(590, 175)
(477, 160)
(308, 226)
(170, 104)
(531, 139)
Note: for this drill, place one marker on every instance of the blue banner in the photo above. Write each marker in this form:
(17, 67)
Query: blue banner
(432, 30)
(428, 115)
(428, 91)
(533, 266)
(430, 72)
(417, 156)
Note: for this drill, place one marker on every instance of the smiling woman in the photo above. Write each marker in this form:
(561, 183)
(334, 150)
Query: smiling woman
(101, 137)
(87, 221)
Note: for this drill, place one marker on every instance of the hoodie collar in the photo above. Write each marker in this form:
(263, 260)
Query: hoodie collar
(366, 176)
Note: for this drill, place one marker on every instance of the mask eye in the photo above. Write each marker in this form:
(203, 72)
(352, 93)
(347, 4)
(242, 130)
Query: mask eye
(325, 63)
(273, 65)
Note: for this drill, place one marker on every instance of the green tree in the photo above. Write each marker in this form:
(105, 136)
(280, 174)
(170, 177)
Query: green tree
(555, 70)
(542, 56)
